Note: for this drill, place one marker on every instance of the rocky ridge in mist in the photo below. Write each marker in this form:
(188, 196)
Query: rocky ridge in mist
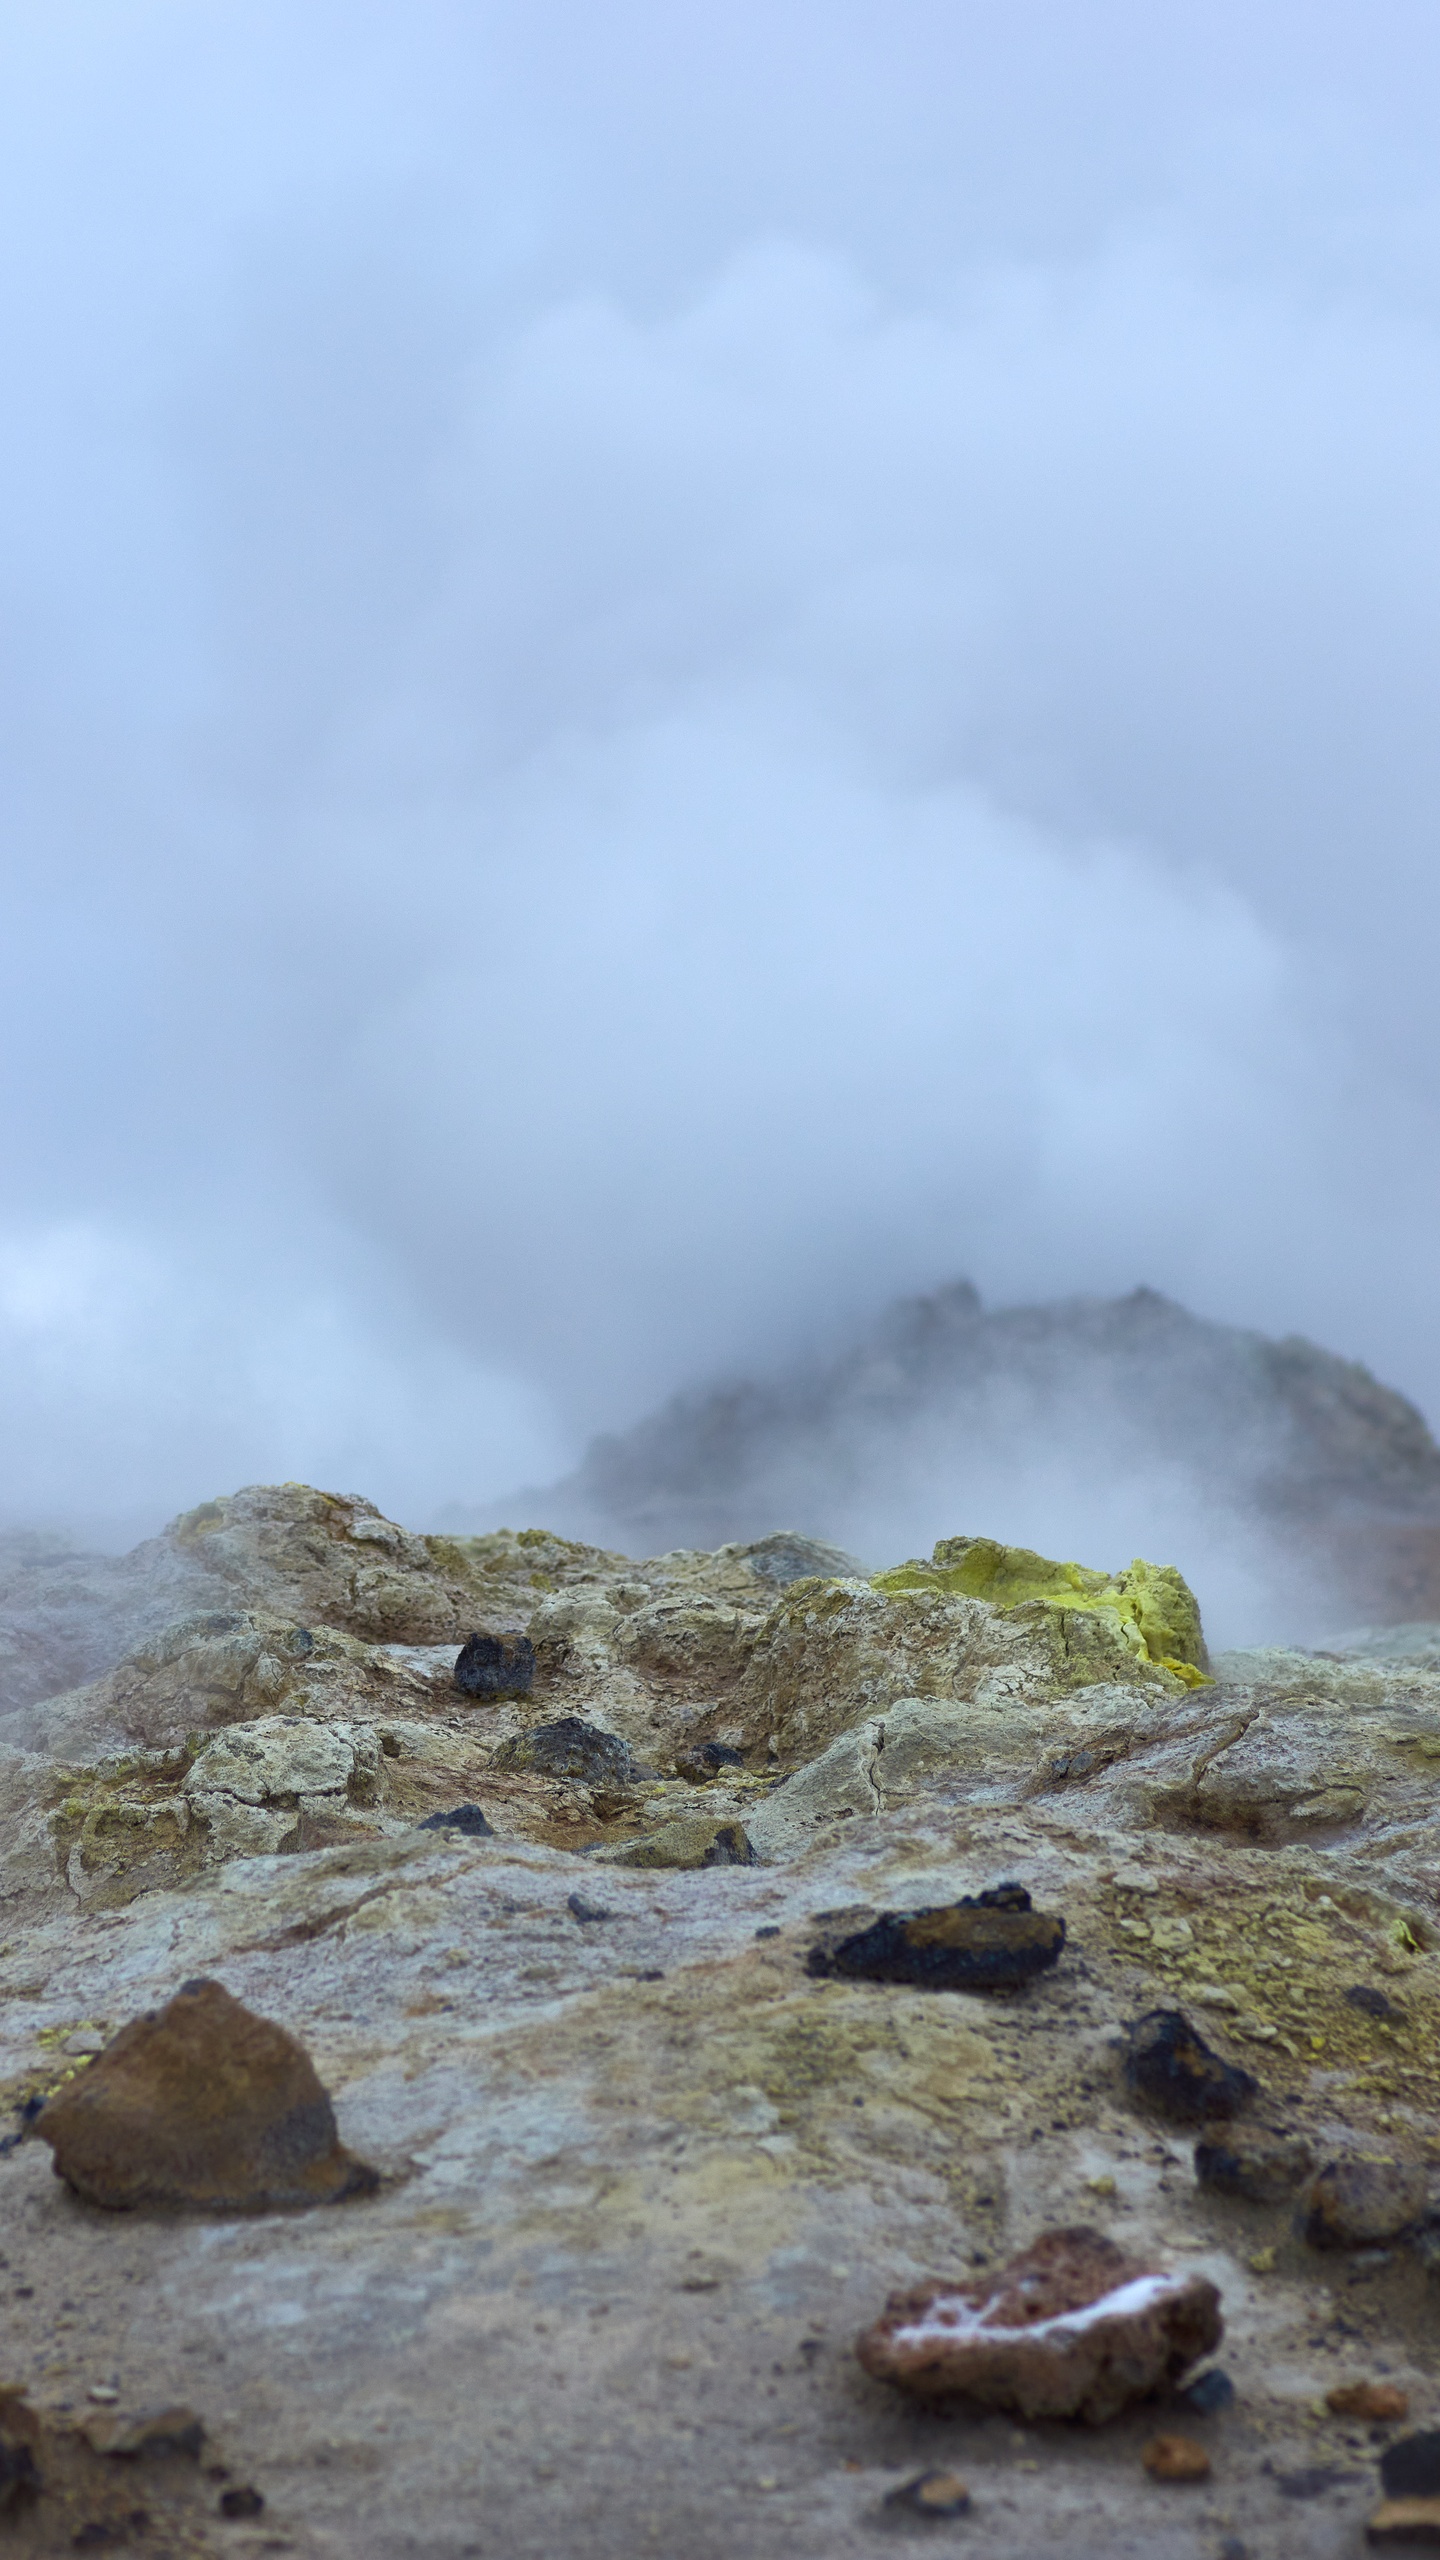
(949, 1411)
(646, 2146)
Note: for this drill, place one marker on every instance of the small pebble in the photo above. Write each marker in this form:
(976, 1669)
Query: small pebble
(931, 2493)
(1410, 2468)
(104, 2392)
(1384, 2403)
(240, 2502)
(1411, 2522)
(1176, 2458)
(1213, 2390)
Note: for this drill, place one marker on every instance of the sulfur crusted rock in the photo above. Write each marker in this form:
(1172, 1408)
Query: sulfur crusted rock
(201, 2105)
(691, 1841)
(1150, 1606)
(1071, 2328)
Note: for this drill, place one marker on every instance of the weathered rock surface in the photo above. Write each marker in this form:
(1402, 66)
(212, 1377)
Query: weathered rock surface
(1072, 2328)
(645, 2175)
(201, 2105)
(1262, 2163)
(1355, 2204)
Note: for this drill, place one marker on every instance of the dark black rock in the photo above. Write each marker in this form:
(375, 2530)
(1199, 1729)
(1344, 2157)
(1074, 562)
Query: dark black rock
(1361, 1995)
(569, 1748)
(240, 2502)
(986, 1942)
(495, 1667)
(770, 1930)
(1169, 2065)
(1211, 2392)
(461, 1817)
(1410, 2468)
(586, 1912)
(1313, 2481)
(19, 2479)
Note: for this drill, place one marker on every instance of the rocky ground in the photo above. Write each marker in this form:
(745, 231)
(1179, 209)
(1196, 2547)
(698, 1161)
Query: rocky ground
(645, 2174)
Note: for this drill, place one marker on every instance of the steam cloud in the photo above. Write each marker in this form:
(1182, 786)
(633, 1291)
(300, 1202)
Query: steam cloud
(671, 671)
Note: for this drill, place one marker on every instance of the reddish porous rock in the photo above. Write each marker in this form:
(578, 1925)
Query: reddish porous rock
(1073, 2328)
(201, 2105)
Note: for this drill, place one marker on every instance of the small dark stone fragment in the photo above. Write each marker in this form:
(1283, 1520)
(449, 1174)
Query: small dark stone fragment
(706, 1760)
(1374, 2003)
(1169, 2065)
(931, 2493)
(1356, 2204)
(1312, 2482)
(986, 1942)
(19, 2479)
(1410, 2468)
(1254, 2161)
(461, 1817)
(1212, 2391)
(240, 2502)
(771, 1930)
(569, 1748)
(495, 1667)
(583, 1911)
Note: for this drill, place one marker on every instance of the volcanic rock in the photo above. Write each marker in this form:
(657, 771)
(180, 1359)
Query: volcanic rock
(495, 1667)
(985, 1942)
(1405, 2523)
(930, 2493)
(1169, 2065)
(1410, 2468)
(461, 1817)
(201, 2105)
(706, 1760)
(569, 1748)
(1176, 2458)
(691, 1842)
(1355, 2204)
(1074, 2327)
(1257, 2162)
(1379, 2403)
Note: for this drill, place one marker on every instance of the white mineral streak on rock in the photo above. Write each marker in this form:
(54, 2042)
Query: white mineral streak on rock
(953, 2321)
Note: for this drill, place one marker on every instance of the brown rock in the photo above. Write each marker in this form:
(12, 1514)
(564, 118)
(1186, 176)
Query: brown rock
(1176, 2458)
(1354, 2204)
(985, 1942)
(154, 2432)
(1398, 2522)
(1071, 2328)
(1169, 2064)
(1383, 2403)
(202, 2105)
(931, 2493)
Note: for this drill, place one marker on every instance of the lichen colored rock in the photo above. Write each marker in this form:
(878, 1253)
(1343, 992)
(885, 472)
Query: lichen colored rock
(691, 1842)
(495, 1667)
(1257, 2162)
(1356, 2204)
(204, 2106)
(1169, 2064)
(1072, 2328)
(569, 1748)
(985, 1942)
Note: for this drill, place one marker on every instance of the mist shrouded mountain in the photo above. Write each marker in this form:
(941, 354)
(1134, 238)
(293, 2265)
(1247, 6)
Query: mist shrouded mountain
(1291, 1484)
